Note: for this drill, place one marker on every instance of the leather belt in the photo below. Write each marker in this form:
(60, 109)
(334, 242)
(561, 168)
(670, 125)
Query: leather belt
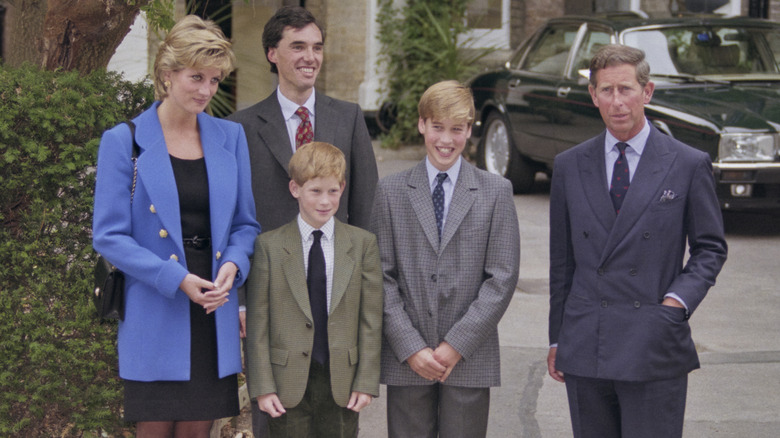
(197, 242)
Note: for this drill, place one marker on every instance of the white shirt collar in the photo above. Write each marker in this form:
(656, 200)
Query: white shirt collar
(637, 142)
(306, 229)
(289, 107)
(452, 172)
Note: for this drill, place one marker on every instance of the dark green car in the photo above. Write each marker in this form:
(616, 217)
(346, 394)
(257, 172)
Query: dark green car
(717, 88)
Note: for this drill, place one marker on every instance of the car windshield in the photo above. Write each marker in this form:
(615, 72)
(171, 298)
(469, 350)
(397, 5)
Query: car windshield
(708, 50)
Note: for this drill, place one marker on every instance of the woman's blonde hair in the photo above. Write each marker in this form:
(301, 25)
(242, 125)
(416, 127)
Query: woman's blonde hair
(192, 43)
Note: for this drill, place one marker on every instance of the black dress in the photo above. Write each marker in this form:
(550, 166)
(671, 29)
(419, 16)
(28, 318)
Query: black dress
(205, 396)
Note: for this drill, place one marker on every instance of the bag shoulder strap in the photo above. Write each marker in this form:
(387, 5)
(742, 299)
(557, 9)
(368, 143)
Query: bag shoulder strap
(136, 148)
(133, 158)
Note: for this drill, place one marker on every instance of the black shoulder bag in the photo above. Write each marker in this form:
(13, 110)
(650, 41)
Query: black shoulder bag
(109, 293)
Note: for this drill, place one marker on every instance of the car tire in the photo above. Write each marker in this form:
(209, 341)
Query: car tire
(497, 154)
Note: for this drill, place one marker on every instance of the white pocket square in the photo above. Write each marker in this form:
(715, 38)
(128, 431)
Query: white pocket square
(668, 195)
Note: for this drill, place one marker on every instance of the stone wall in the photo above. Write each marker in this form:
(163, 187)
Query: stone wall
(345, 47)
(774, 9)
(254, 80)
(529, 15)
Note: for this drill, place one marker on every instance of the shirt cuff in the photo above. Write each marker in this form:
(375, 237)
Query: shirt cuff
(242, 308)
(680, 300)
(676, 297)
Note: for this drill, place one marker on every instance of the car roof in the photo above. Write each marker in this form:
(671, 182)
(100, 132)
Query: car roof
(620, 21)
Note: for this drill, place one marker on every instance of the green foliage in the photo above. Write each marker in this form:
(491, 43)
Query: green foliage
(159, 14)
(58, 368)
(422, 43)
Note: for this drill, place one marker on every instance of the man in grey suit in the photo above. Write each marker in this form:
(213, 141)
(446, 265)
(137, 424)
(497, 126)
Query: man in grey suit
(293, 44)
(450, 249)
(623, 206)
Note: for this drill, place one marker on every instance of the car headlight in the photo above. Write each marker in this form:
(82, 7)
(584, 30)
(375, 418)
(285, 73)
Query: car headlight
(748, 147)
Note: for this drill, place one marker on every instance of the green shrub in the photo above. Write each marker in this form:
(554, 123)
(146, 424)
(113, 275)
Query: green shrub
(58, 366)
(422, 43)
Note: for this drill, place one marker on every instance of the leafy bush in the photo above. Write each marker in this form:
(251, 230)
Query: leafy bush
(422, 43)
(58, 366)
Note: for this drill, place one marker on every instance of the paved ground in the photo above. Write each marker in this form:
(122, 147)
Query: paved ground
(736, 393)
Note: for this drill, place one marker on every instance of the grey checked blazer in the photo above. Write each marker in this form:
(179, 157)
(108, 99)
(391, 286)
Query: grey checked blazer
(455, 291)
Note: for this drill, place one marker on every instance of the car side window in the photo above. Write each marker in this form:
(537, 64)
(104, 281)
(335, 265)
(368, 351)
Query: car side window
(594, 39)
(773, 39)
(551, 50)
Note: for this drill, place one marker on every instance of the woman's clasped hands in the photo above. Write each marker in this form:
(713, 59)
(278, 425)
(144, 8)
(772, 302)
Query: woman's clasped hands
(210, 295)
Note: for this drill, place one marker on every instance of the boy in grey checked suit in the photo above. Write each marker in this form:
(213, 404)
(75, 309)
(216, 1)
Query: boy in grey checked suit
(449, 272)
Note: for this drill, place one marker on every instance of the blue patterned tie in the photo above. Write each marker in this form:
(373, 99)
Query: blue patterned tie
(316, 280)
(620, 178)
(438, 201)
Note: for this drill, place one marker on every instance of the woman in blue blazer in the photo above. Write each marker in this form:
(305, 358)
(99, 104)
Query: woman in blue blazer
(183, 235)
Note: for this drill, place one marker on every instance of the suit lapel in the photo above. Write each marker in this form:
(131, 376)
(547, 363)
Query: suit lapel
(651, 171)
(420, 199)
(272, 130)
(222, 168)
(325, 119)
(293, 267)
(156, 172)
(343, 264)
(593, 176)
(463, 197)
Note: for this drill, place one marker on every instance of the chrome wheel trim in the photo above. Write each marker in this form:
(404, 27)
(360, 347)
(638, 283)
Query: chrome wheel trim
(497, 148)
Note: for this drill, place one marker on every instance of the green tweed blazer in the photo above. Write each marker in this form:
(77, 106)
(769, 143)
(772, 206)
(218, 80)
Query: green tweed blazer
(279, 319)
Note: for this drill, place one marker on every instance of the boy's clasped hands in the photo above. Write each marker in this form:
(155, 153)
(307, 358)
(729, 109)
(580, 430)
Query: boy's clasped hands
(435, 364)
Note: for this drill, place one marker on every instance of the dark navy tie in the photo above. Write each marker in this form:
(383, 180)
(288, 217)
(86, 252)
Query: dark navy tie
(438, 201)
(317, 282)
(620, 178)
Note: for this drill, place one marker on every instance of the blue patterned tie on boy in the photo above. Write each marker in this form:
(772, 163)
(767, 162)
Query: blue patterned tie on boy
(438, 201)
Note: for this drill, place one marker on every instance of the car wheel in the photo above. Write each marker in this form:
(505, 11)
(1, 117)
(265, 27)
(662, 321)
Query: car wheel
(497, 154)
(386, 116)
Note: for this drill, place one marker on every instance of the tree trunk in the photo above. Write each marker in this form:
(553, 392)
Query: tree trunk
(69, 34)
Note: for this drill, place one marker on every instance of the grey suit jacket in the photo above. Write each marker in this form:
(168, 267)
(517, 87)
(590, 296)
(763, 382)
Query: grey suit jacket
(609, 273)
(336, 122)
(279, 320)
(454, 291)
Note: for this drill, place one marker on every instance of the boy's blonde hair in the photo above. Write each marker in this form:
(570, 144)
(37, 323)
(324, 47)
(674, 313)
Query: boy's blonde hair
(447, 100)
(192, 43)
(317, 160)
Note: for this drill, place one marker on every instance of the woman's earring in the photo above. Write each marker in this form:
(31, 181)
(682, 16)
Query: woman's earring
(167, 84)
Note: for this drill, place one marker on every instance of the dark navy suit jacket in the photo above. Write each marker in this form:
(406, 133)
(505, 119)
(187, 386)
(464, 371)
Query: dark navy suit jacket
(609, 273)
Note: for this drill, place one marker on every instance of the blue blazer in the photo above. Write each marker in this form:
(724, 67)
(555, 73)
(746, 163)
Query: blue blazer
(144, 240)
(609, 273)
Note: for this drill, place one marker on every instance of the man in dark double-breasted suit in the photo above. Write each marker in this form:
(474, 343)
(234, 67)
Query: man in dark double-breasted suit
(623, 206)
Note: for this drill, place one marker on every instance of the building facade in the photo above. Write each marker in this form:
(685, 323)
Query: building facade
(351, 70)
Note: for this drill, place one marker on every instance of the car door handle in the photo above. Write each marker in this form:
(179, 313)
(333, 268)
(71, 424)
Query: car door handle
(564, 91)
(515, 83)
